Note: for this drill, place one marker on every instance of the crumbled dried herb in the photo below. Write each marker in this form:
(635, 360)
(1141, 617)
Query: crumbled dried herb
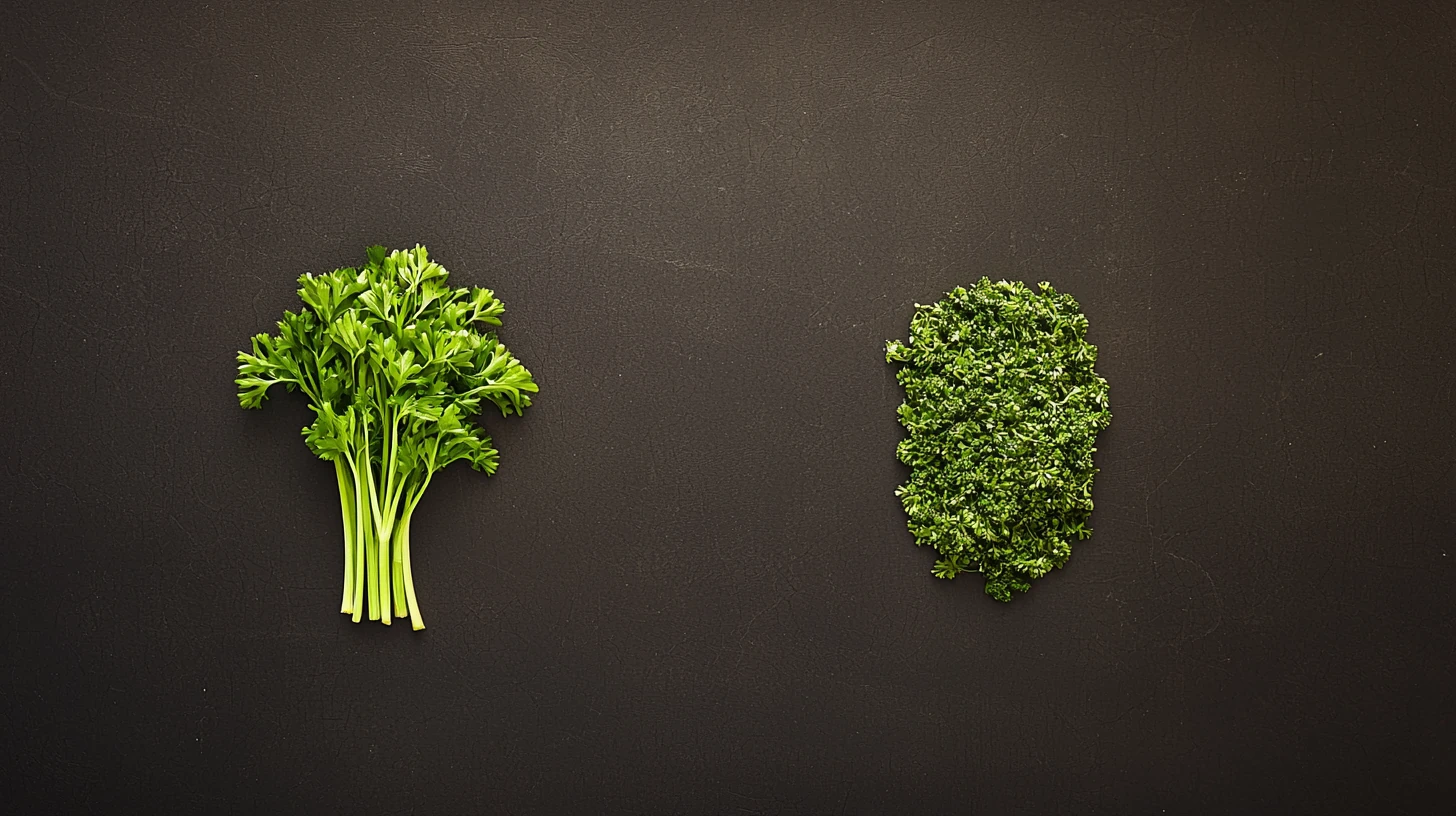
(1003, 408)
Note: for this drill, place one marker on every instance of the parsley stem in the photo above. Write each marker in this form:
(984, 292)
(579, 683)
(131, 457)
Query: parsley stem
(371, 539)
(360, 521)
(389, 455)
(401, 607)
(385, 534)
(346, 505)
(417, 622)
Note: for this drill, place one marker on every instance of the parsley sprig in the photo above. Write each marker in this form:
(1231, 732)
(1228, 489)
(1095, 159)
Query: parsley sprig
(394, 366)
(1002, 410)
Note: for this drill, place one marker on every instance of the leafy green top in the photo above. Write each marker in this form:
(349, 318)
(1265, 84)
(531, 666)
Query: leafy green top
(1002, 409)
(392, 348)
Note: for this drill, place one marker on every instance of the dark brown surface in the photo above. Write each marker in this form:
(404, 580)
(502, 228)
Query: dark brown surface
(690, 589)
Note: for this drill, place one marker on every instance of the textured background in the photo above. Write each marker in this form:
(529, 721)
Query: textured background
(690, 588)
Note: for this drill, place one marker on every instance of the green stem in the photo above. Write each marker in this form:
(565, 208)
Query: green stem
(379, 557)
(388, 458)
(371, 540)
(374, 496)
(346, 505)
(401, 606)
(393, 458)
(416, 621)
(361, 521)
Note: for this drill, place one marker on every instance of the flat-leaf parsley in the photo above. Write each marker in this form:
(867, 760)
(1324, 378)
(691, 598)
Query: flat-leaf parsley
(394, 364)
(1002, 409)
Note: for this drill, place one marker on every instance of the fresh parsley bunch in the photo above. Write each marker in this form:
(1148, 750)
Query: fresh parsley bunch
(394, 364)
(1002, 409)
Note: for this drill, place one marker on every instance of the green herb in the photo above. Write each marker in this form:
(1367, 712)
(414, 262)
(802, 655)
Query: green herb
(1002, 409)
(394, 366)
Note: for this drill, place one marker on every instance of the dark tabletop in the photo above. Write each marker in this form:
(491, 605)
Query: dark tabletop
(690, 588)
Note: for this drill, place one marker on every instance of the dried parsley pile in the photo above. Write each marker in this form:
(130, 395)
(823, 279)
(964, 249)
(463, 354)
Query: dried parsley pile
(1003, 408)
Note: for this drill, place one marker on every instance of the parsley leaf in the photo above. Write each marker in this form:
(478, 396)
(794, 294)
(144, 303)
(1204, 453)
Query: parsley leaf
(1002, 410)
(394, 364)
